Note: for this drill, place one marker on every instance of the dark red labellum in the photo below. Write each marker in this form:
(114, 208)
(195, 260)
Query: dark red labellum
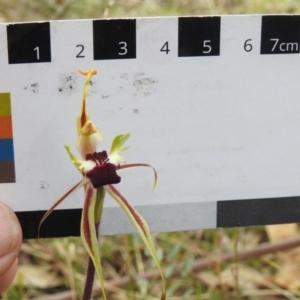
(104, 174)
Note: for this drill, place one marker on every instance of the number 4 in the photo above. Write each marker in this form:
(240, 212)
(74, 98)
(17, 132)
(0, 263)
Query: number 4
(165, 48)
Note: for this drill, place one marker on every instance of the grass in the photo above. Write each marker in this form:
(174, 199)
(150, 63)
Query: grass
(58, 265)
(16, 11)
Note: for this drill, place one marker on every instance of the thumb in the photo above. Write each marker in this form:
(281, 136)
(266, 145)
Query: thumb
(10, 243)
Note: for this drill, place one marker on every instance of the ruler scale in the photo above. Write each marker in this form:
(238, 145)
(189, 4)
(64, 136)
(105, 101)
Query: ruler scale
(212, 103)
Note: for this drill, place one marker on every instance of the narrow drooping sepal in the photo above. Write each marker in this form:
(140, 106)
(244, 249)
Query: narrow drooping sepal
(77, 186)
(142, 227)
(88, 231)
(135, 165)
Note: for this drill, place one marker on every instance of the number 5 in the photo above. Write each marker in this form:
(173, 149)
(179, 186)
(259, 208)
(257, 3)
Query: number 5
(205, 45)
(123, 48)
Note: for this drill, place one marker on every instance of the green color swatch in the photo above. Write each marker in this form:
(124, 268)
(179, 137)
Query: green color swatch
(5, 109)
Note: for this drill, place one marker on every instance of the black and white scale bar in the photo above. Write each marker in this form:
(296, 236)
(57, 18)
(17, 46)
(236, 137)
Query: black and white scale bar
(221, 92)
(66, 222)
(232, 213)
(116, 39)
(60, 223)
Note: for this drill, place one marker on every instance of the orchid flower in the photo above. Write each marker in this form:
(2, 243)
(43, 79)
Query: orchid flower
(100, 173)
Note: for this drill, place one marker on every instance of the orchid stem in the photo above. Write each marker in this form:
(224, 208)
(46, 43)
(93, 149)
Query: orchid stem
(89, 281)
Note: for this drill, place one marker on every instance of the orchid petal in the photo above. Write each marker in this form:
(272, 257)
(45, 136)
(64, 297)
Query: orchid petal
(88, 134)
(116, 148)
(77, 186)
(91, 215)
(88, 141)
(141, 226)
(83, 166)
(76, 161)
(135, 165)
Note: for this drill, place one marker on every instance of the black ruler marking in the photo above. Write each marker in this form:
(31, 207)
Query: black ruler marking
(280, 34)
(60, 223)
(29, 43)
(234, 213)
(199, 36)
(114, 39)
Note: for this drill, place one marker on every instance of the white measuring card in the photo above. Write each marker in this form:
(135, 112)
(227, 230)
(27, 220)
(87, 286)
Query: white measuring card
(212, 103)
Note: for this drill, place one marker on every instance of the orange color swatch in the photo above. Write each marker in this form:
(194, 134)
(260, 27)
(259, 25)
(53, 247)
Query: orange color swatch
(5, 127)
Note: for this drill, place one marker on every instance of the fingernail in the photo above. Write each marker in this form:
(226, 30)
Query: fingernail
(9, 230)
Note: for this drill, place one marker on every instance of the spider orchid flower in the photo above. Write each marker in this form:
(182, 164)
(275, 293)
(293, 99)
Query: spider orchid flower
(100, 174)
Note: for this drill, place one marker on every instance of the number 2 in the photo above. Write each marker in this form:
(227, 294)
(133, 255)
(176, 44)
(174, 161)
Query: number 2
(124, 48)
(79, 54)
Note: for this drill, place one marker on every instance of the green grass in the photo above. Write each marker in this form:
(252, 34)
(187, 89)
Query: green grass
(57, 265)
(16, 11)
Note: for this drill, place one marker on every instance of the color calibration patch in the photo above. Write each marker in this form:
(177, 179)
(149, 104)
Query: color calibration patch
(7, 165)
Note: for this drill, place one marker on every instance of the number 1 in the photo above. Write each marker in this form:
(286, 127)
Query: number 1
(37, 49)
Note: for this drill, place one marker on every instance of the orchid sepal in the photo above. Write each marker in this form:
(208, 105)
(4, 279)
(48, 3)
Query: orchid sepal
(141, 226)
(76, 187)
(88, 139)
(84, 116)
(135, 165)
(88, 134)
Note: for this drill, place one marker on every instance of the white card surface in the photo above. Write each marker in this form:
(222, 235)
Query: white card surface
(216, 127)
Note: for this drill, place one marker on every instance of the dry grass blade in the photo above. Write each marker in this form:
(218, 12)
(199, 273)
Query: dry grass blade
(203, 264)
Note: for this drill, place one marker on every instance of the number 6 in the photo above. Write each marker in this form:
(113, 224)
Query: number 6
(248, 46)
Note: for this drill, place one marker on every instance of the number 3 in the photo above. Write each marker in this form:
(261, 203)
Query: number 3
(124, 48)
